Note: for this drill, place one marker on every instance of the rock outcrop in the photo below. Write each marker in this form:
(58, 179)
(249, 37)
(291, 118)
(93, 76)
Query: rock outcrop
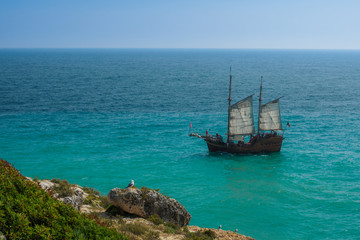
(76, 198)
(141, 202)
(146, 202)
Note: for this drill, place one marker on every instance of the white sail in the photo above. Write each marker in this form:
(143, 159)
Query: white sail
(270, 118)
(241, 117)
(237, 138)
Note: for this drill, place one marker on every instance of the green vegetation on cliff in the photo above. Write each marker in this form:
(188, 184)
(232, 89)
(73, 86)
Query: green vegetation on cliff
(28, 212)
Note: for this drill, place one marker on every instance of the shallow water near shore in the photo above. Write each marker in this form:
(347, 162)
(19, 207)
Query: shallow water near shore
(103, 117)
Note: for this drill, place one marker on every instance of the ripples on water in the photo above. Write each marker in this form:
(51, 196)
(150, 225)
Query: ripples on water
(103, 117)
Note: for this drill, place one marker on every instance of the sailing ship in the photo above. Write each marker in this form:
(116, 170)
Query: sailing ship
(269, 135)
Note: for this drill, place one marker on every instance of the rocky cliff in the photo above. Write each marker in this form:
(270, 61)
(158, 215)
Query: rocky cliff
(145, 203)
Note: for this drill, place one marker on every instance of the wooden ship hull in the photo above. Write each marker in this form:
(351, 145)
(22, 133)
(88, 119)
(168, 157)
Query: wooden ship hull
(260, 144)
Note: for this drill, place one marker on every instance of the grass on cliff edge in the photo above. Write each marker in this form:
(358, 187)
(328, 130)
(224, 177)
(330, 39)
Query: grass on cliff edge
(28, 212)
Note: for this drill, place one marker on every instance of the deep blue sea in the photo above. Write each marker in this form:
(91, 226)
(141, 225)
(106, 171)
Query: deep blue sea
(101, 117)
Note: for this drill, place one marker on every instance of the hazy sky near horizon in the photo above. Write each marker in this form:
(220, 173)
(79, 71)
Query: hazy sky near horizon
(277, 24)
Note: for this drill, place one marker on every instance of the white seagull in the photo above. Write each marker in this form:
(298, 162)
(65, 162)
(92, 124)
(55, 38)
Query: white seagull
(219, 227)
(131, 184)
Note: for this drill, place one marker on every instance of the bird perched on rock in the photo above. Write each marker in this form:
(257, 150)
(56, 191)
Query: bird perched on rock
(236, 230)
(219, 227)
(131, 184)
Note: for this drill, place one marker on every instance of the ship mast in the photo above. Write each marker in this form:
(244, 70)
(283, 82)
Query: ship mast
(229, 108)
(259, 107)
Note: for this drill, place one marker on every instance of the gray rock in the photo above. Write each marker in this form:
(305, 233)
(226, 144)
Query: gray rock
(75, 200)
(67, 200)
(46, 184)
(147, 202)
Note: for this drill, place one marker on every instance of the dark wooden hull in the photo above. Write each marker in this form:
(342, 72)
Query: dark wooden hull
(260, 144)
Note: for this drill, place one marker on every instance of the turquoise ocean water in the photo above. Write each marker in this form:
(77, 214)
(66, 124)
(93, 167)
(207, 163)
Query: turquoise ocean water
(103, 117)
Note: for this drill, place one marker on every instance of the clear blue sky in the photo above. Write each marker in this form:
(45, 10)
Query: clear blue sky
(300, 24)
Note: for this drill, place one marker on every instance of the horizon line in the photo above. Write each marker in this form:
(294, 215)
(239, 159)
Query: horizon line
(180, 48)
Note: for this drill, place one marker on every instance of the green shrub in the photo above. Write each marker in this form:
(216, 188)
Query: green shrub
(151, 235)
(63, 188)
(205, 235)
(92, 201)
(172, 228)
(120, 220)
(28, 212)
(105, 202)
(87, 201)
(91, 191)
(156, 219)
(136, 229)
(55, 180)
(210, 233)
